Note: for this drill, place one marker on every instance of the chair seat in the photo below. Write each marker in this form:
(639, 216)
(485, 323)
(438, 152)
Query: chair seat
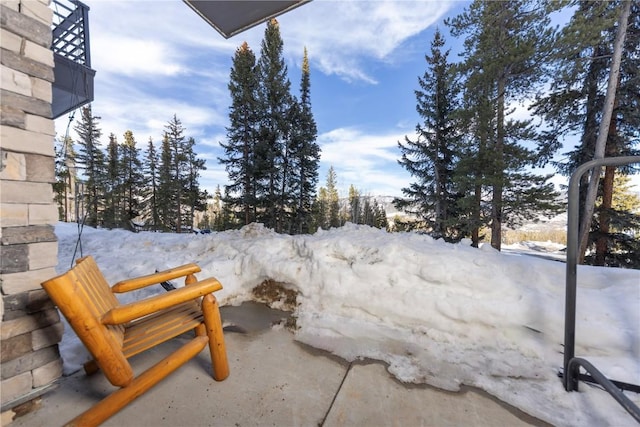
(159, 327)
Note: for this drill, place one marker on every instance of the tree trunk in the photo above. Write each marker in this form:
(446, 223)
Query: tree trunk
(498, 172)
(603, 132)
(607, 198)
(475, 232)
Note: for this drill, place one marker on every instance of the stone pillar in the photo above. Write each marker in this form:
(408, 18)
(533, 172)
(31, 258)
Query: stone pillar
(31, 328)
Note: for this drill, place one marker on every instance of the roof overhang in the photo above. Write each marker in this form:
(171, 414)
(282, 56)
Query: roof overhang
(232, 17)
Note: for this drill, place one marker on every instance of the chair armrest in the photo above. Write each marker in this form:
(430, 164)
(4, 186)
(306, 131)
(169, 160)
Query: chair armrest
(135, 310)
(154, 278)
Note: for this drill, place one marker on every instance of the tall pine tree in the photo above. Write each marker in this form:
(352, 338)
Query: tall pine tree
(575, 104)
(91, 160)
(113, 187)
(506, 46)
(151, 187)
(431, 158)
(305, 155)
(273, 165)
(132, 180)
(242, 135)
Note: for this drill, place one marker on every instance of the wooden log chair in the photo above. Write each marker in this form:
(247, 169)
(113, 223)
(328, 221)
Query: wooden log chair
(113, 332)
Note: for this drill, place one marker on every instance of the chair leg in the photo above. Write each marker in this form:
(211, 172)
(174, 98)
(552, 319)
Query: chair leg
(117, 400)
(91, 367)
(213, 322)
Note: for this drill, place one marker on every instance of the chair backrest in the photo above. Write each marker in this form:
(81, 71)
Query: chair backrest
(83, 296)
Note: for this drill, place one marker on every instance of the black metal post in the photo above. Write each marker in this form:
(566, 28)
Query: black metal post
(570, 377)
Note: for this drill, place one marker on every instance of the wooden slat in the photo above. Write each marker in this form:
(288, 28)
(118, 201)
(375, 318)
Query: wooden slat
(160, 327)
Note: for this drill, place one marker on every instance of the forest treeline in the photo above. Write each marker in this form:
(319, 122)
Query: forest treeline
(271, 157)
(472, 161)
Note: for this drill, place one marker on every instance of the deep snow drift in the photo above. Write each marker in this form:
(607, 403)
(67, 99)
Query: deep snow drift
(437, 313)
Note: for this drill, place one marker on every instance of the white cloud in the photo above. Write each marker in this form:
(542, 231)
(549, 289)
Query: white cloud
(132, 57)
(362, 159)
(340, 34)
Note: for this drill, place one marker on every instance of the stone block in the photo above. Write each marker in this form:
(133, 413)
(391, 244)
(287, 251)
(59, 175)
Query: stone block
(38, 300)
(24, 26)
(43, 255)
(43, 214)
(40, 168)
(38, 11)
(29, 323)
(38, 53)
(26, 65)
(12, 4)
(15, 81)
(41, 89)
(10, 116)
(11, 41)
(14, 215)
(26, 303)
(26, 104)
(24, 141)
(40, 124)
(28, 362)
(47, 374)
(46, 337)
(15, 347)
(26, 192)
(15, 387)
(25, 281)
(14, 166)
(30, 234)
(15, 259)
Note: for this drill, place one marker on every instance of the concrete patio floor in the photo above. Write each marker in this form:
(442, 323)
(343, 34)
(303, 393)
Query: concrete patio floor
(274, 381)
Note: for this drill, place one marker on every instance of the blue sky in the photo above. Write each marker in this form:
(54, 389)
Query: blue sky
(154, 59)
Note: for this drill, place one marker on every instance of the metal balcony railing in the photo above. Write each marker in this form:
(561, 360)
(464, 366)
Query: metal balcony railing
(73, 85)
(71, 31)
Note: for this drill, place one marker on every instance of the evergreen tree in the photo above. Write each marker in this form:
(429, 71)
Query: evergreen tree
(196, 198)
(305, 156)
(113, 187)
(151, 184)
(177, 157)
(431, 158)
(165, 194)
(132, 180)
(273, 165)
(91, 160)
(506, 46)
(242, 134)
(355, 207)
(333, 200)
(575, 104)
(321, 209)
(616, 227)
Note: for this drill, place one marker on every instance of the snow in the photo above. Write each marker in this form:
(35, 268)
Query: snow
(437, 313)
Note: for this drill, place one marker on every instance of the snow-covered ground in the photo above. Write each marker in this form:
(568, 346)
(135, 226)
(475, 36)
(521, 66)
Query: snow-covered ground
(437, 313)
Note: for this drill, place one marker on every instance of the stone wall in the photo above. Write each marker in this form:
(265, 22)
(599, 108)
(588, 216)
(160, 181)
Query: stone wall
(31, 328)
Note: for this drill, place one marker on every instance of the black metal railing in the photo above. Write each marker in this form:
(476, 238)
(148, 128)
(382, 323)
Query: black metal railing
(73, 83)
(71, 31)
(571, 374)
